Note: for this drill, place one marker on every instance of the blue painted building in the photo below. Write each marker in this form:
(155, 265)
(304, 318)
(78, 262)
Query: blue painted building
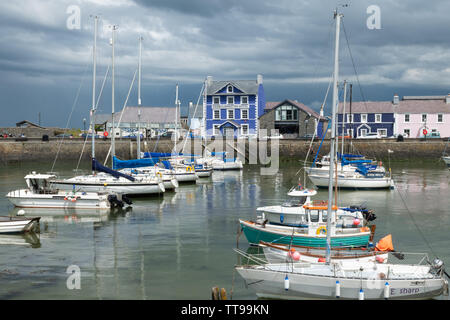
(362, 118)
(232, 108)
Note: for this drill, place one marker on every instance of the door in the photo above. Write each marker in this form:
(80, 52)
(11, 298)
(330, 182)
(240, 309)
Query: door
(228, 132)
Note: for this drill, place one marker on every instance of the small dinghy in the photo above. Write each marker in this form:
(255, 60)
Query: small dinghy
(18, 225)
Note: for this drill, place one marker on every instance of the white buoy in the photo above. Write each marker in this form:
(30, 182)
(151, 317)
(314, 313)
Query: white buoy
(21, 212)
(286, 283)
(338, 289)
(361, 294)
(386, 290)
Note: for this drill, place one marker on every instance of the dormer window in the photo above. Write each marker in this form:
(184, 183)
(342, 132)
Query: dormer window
(230, 89)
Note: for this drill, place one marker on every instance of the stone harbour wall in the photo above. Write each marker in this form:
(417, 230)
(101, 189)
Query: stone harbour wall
(293, 149)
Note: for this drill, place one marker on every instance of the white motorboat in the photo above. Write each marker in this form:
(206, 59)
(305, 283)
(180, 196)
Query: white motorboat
(41, 194)
(17, 225)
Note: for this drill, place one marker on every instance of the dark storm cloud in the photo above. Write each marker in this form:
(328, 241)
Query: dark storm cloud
(290, 42)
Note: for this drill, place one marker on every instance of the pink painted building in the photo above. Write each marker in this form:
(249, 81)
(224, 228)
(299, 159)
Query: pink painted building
(414, 114)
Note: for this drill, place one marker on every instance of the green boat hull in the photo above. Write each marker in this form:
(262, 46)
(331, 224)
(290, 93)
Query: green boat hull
(254, 236)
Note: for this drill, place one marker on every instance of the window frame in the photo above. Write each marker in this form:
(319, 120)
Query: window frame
(242, 131)
(246, 112)
(228, 114)
(376, 117)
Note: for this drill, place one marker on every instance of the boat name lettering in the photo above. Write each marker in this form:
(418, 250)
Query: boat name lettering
(405, 290)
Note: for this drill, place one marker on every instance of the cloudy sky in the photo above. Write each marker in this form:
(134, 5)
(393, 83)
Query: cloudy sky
(46, 57)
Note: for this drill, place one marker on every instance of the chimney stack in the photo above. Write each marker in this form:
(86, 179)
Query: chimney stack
(259, 79)
(396, 99)
(209, 80)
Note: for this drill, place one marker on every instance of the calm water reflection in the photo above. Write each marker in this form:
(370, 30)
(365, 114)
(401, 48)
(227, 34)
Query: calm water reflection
(180, 245)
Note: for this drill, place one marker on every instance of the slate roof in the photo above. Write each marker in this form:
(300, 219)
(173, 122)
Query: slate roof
(423, 106)
(246, 86)
(367, 107)
(409, 104)
(272, 105)
(148, 114)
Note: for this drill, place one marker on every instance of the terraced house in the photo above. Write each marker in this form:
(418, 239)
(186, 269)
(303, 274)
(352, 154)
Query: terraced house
(232, 108)
(411, 117)
(366, 117)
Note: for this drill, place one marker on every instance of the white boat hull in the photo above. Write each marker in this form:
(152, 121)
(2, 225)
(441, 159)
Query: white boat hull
(274, 255)
(204, 173)
(108, 187)
(17, 225)
(353, 183)
(269, 283)
(221, 165)
(25, 199)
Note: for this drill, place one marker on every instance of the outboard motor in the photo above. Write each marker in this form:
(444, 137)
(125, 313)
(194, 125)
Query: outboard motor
(126, 200)
(115, 203)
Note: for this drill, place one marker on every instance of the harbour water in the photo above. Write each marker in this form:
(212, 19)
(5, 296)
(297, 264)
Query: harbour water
(179, 245)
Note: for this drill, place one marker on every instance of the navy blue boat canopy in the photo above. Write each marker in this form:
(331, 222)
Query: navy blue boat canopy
(134, 163)
(97, 166)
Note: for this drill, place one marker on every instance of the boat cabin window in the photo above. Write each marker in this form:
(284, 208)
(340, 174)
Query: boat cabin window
(313, 216)
(299, 201)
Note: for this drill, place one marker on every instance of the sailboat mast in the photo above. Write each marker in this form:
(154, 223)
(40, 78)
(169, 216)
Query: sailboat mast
(343, 118)
(176, 118)
(113, 134)
(337, 16)
(139, 100)
(93, 85)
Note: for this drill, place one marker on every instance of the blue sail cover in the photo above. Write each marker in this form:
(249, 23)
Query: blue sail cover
(345, 161)
(135, 163)
(97, 166)
(160, 154)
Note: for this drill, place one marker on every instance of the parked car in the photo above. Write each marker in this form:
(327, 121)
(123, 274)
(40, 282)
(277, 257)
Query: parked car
(64, 135)
(370, 135)
(432, 135)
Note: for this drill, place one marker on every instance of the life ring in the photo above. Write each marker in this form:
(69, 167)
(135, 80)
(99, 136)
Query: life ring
(188, 169)
(159, 174)
(321, 230)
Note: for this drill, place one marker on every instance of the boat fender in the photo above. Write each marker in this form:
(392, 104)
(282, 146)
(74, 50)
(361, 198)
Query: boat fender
(321, 260)
(338, 289)
(295, 256)
(286, 283)
(379, 259)
(321, 230)
(386, 290)
(65, 198)
(361, 294)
